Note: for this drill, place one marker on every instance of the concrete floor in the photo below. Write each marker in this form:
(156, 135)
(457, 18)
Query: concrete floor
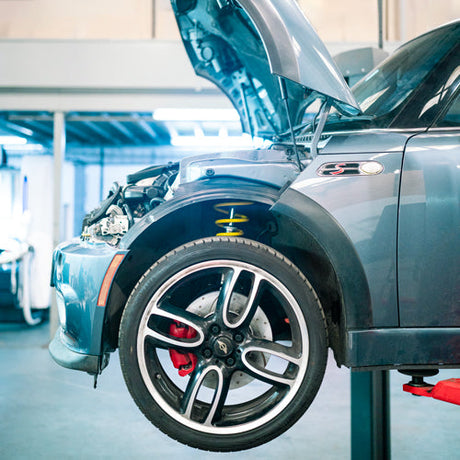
(49, 412)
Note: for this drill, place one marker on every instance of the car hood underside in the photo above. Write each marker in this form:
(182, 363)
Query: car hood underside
(243, 46)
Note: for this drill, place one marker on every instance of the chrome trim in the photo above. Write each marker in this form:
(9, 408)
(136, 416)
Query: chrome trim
(375, 131)
(436, 129)
(349, 168)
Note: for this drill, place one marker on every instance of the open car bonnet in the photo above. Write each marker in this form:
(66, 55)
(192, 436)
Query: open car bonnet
(243, 46)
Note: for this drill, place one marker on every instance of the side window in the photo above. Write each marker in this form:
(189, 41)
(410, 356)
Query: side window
(452, 117)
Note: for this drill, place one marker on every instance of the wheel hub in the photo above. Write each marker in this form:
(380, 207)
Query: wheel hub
(205, 306)
(222, 346)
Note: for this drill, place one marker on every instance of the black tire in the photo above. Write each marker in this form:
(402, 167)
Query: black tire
(260, 344)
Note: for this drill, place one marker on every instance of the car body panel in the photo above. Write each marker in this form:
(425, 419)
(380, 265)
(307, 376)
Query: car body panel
(187, 216)
(429, 231)
(78, 271)
(66, 357)
(366, 208)
(403, 348)
(373, 141)
(296, 52)
(262, 165)
(318, 224)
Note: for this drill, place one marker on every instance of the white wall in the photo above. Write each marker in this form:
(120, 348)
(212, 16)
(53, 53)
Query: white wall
(111, 174)
(335, 20)
(70, 19)
(39, 172)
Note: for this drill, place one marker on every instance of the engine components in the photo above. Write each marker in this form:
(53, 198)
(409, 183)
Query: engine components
(119, 211)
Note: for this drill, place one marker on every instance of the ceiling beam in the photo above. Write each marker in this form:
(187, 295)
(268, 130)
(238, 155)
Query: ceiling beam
(101, 132)
(22, 131)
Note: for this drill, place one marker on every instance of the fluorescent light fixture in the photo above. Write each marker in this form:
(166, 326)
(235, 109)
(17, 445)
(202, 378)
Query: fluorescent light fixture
(12, 140)
(31, 148)
(196, 115)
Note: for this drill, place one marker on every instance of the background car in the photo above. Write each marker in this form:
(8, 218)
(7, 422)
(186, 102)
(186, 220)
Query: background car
(224, 279)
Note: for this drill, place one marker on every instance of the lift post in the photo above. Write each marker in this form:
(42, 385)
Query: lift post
(370, 415)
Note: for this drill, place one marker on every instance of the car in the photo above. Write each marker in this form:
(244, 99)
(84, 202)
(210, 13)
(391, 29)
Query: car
(224, 279)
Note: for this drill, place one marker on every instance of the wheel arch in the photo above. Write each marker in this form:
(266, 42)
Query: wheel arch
(331, 264)
(188, 216)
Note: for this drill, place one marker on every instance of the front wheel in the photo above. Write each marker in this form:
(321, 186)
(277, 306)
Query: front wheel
(223, 344)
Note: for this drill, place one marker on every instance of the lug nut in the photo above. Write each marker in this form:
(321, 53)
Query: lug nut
(230, 361)
(215, 329)
(238, 337)
(207, 353)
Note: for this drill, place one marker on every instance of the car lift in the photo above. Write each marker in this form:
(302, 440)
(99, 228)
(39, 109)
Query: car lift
(370, 408)
(445, 390)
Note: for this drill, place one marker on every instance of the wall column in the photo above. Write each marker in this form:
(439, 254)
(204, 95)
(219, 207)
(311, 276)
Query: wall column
(58, 156)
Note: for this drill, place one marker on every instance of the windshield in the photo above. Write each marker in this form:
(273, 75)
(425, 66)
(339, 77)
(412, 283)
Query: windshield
(384, 93)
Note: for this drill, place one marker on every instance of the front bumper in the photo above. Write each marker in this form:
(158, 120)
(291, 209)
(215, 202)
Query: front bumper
(79, 271)
(66, 357)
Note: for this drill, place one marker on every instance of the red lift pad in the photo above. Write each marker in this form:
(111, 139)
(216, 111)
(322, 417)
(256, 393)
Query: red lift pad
(445, 390)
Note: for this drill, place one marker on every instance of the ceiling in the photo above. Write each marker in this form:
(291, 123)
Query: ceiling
(116, 137)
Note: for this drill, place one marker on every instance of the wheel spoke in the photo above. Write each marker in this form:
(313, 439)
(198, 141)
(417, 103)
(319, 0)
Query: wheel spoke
(274, 348)
(164, 340)
(270, 348)
(246, 316)
(218, 402)
(223, 300)
(191, 393)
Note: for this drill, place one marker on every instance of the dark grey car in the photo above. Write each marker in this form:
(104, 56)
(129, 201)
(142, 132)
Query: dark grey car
(224, 279)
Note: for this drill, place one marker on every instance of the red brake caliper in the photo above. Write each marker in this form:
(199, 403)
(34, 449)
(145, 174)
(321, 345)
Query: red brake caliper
(185, 362)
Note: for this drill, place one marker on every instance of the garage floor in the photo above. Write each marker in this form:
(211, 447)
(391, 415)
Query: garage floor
(50, 412)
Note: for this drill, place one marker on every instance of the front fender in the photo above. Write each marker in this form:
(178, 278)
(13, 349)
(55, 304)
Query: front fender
(318, 225)
(186, 217)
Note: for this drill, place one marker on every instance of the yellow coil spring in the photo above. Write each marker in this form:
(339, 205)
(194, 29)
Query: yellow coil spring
(233, 218)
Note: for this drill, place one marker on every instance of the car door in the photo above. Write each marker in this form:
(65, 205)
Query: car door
(429, 226)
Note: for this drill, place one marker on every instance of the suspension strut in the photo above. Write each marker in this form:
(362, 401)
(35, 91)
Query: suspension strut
(233, 218)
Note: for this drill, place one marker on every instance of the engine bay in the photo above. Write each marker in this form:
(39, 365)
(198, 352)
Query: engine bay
(148, 188)
(115, 215)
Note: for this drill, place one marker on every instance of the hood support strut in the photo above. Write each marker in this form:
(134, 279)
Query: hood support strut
(324, 112)
(284, 96)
